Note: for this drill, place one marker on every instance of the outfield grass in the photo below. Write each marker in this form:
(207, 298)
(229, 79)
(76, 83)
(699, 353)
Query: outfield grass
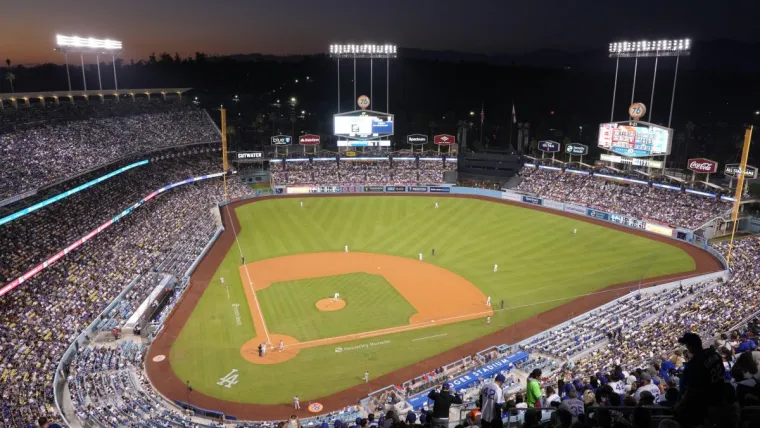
(541, 265)
(363, 294)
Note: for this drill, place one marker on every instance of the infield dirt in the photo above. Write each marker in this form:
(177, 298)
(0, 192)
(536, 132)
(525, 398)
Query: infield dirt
(168, 384)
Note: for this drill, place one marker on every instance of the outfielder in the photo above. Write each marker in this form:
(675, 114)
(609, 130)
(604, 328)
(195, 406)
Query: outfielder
(221, 279)
(436, 204)
(346, 248)
(575, 231)
(495, 268)
(366, 376)
(296, 403)
(301, 204)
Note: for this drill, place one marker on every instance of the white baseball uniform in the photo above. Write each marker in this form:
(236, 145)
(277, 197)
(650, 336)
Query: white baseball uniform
(488, 301)
(337, 296)
(420, 256)
(495, 268)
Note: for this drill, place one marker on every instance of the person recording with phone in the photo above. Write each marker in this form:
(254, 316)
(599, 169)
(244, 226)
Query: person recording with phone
(442, 402)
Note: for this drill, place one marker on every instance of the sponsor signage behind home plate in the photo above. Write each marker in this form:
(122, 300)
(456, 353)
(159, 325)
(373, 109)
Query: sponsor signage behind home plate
(702, 166)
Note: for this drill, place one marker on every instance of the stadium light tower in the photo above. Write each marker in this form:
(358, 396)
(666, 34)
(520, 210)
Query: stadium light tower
(648, 49)
(89, 45)
(366, 51)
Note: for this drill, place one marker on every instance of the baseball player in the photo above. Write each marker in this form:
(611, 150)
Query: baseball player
(495, 268)
(488, 301)
(575, 231)
(282, 346)
(436, 204)
(366, 376)
(301, 204)
(420, 256)
(296, 403)
(336, 296)
(488, 320)
(346, 248)
(221, 279)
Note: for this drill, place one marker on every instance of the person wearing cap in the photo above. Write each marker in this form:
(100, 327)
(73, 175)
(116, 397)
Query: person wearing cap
(442, 402)
(702, 379)
(647, 385)
(491, 403)
(533, 389)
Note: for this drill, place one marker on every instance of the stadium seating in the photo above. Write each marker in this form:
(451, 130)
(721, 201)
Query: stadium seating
(48, 145)
(348, 171)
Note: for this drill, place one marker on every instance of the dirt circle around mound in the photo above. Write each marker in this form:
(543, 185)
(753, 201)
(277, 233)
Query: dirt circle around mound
(331, 305)
(250, 350)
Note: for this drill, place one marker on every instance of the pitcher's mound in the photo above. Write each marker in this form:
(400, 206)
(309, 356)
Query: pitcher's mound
(330, 305)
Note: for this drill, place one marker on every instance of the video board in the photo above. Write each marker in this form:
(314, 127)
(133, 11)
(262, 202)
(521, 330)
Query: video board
(368, 124)
(635, 141)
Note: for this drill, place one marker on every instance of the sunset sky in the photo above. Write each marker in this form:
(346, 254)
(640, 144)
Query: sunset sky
(28, 29)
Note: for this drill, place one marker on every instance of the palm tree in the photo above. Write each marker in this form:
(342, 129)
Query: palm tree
(10, 77)
(8, 62)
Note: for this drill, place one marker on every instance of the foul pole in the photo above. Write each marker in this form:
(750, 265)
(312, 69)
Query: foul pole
(739, 191)
(225, 164)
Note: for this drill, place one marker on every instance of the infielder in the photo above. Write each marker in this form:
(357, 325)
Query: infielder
(346, 248)
(420, 256)
(282, 346)
(366, 376)
(336, 296)
(221, 279)
(296, 403)
(488, 320)
(488, 301)
(495, 268)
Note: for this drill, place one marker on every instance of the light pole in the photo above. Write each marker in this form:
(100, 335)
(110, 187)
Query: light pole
(90, 46)
(365, 51)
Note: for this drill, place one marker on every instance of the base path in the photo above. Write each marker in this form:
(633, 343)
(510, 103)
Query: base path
(439, 295)
(167, 383)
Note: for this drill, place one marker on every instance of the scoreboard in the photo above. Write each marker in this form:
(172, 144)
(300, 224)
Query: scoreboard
(635, 141)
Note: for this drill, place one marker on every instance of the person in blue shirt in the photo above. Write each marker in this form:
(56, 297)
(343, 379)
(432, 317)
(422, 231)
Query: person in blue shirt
(746, 345)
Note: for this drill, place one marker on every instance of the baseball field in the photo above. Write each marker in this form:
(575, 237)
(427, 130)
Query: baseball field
(399, 307)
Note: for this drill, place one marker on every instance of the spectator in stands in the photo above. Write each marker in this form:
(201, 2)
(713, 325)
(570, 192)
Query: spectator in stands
(701, 384)
(533, 389)
(442, 401)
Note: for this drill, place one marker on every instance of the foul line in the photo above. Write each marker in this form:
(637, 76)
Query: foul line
(430, 337)
(250, 282)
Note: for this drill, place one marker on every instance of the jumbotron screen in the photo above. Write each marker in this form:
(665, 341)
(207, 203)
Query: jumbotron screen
(635, 141)
(362, 126)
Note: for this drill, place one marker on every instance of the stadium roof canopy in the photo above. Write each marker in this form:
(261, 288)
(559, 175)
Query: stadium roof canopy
(55, 95)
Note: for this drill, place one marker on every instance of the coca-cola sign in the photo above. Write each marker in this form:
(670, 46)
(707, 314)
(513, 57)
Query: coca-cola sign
(702, 166)
(308, 140)
(444, 139)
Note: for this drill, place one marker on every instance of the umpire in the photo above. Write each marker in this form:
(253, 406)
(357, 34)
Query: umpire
(442, 402)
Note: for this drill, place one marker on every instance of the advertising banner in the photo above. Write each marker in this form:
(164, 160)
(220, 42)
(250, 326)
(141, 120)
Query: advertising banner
(601, 215)
(576, 149)
(659, 229)
(361, 143)
(418, 188)
(281, 140)
(444, 140)
(702, 166)
(416, 139)
(628, 221)
(512, 196)
(374, 188)
(249, 155)
(532, 200)
(576, 209)
(631, 161)
(440, 189)
(300, 190)
(472, 377)
(732, 170)
(554, 204)
(548, 146)
(308, 140)
(395, 188)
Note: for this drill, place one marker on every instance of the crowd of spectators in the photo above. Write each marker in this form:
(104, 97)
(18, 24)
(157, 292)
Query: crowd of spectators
(64, 298)
(636, 200)
(36, 150)
(368, 172)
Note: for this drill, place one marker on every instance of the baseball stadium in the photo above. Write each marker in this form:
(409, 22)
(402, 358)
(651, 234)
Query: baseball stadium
(351, 279)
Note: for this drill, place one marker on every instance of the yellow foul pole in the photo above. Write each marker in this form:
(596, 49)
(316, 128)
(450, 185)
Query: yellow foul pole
(739, 190)
(225, 164)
